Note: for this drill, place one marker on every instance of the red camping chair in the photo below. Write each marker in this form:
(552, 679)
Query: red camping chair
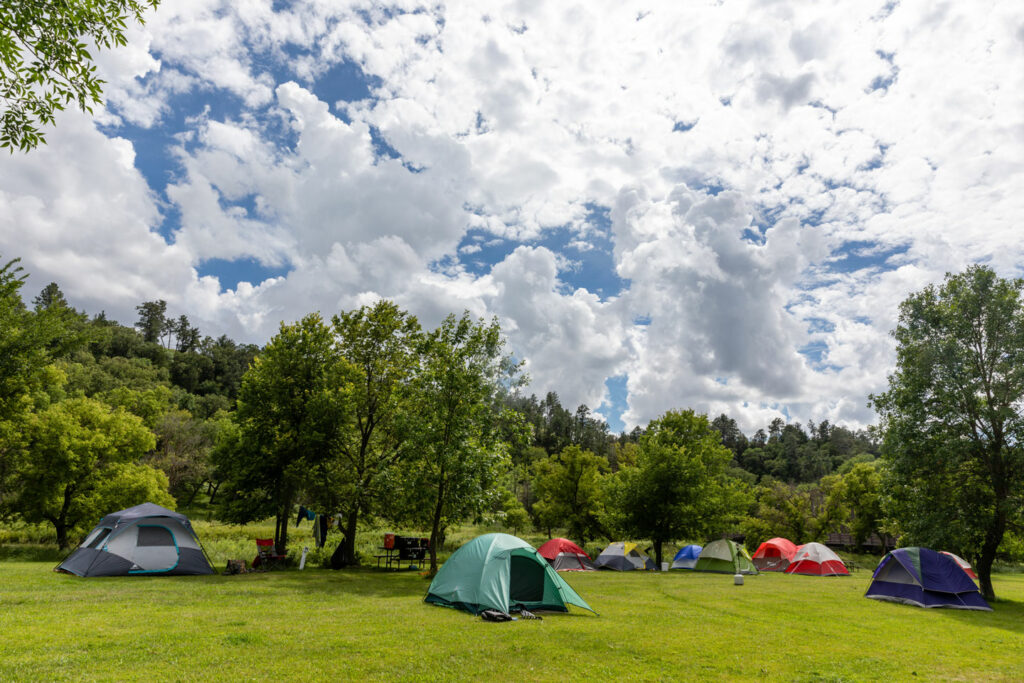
(266, 554)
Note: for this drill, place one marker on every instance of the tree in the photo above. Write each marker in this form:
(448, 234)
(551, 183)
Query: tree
(290, 408)
(50, 297)
(182, 453)
(152, 321)
(952, 416)
(459, 391)
(27, 348)
(862, 495)
(380, 344)
(187, 336)
(73, 445)
(569, 492)
(45, 63)
(732, 437)
(802, 513)
(679, 488)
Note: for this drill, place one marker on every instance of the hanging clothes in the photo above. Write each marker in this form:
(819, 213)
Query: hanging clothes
(304, 513)
(321, 526)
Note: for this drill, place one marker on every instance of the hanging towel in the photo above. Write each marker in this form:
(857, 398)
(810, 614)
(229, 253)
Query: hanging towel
(304, 513)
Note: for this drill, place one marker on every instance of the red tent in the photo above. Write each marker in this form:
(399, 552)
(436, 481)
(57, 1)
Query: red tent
(816, 560)
(774, 555)
(566, 556)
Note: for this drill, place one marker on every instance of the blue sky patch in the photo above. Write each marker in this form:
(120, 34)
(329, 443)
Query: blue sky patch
(615, 404)
(346, 82)
(230, 273)
(591, 253)
(815, 325)
(860, 254)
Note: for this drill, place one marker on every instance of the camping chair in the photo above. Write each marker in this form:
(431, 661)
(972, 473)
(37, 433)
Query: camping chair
(266, 554)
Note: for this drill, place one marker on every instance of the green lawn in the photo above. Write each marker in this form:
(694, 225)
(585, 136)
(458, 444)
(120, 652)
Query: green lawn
(320, 625)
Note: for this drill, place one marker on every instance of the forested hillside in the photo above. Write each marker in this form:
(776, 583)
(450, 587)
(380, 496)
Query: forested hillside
(369, 416)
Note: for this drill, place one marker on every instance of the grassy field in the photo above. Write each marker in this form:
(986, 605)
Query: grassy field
(358, 624)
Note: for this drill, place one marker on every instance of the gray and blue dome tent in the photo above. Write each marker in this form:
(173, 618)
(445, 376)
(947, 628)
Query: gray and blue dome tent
(145, 539)
(924, 578)
(687, 556)
(501, 572)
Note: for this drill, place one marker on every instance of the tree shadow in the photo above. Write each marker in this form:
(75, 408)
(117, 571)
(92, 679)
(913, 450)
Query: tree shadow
(1005, 614)
(354, 581)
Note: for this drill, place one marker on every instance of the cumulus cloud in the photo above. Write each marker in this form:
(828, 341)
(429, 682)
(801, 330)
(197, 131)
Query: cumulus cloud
(778, 177)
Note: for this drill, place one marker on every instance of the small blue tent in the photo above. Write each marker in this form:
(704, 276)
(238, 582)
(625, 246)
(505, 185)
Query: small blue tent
(686, 558)
(925, 578)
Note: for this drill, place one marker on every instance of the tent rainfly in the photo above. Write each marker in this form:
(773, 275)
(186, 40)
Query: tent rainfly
(774, 555)
(816, 559)
(624, 557)
(686, 558)
(924, 578)
(964, 564)
(566, 556)
(145, 539)
(726, 557)
(504, 573)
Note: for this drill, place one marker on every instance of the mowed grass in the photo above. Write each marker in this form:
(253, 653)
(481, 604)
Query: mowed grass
(364, 624)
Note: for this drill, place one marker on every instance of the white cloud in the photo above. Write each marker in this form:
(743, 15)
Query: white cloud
(810, 126)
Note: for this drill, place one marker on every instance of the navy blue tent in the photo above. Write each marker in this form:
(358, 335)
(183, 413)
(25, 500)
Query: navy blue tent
(925, 578)
(686, 558)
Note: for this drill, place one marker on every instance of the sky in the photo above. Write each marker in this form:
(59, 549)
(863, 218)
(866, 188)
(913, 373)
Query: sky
(708, 205)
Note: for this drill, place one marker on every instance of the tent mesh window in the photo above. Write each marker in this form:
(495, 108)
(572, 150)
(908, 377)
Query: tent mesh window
(154, 536)
(97, 540)
(894, 572)
(526, 580)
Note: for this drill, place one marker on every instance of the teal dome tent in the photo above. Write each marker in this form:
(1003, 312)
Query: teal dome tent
(501, 572)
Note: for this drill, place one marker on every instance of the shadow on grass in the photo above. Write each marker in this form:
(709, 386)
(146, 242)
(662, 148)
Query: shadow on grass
(28, 552)
(357, 581)
(1005, 614)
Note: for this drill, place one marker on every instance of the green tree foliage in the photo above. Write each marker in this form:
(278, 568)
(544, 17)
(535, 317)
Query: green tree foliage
(679, 488)
(799, 512)
(72, 446)
(152, 322)
(27, 344)
(569, 492)
(460, 387)
(952, 416)
(182, 452)
(554, 427)
(45, 62)
(862, 496)
(50, 297)
(291, 406)
(732, 438)
(380, 344)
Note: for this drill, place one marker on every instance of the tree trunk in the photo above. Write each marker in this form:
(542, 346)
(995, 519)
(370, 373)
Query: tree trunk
(284, 513)
(60, 524)
(195, 492)
(349, 542)
(993, 537)
(996, 530)
(213, 491)
(435, 525)
(657, 554)
(62, 535)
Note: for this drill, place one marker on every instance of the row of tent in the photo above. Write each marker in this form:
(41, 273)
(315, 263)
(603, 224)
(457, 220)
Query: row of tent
(723, 556)
(498, 571)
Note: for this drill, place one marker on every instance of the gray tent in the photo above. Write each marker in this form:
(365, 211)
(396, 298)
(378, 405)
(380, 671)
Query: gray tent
(145, 539)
